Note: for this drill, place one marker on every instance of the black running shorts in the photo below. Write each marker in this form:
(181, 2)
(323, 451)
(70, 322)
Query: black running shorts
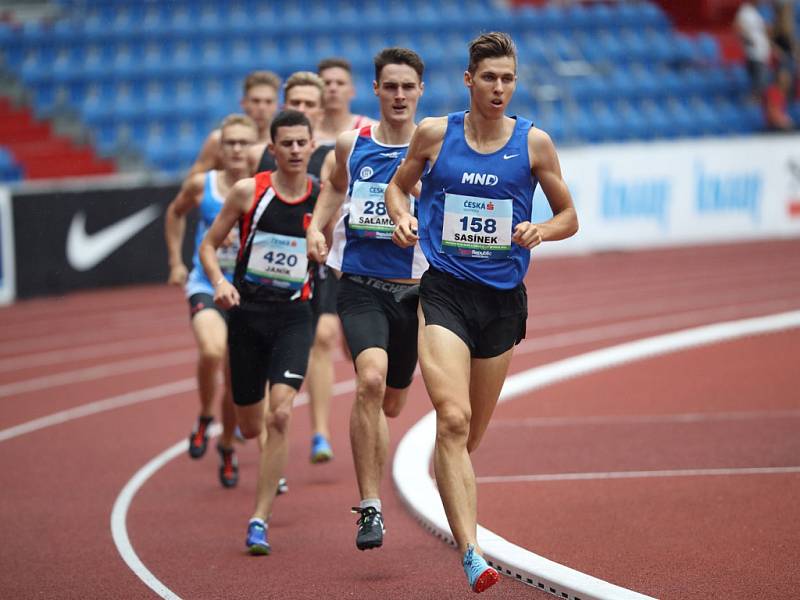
(203, 301)
(374, 317)
(268, 343)
(326, 286)
(488, 320)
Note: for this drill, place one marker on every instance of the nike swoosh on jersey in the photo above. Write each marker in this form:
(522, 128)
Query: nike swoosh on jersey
(290, 375)
(507, 156)
(86, 251)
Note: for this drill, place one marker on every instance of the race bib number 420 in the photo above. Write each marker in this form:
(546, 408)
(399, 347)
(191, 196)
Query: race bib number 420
(368, 215)
(477, 227)
(277, 260)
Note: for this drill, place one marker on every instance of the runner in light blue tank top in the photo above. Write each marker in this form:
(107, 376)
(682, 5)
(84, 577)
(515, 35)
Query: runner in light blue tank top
(212, 201)
(469, 209)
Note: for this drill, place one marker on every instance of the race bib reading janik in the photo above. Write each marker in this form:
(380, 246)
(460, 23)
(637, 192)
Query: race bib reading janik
(277, 260)
(226, 255)
(368, 215)
(477, 227)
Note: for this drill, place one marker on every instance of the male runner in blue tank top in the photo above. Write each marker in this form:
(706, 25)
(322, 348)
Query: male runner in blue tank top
(380, 330)
(206, 192)
(479, 170)
(269, 324)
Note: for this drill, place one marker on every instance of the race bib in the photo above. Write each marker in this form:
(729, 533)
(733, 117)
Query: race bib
(226, 255)
(477, 227)
(368, 216)
(277, 260)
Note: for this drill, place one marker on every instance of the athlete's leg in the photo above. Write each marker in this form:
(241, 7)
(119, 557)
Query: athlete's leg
(445, 362)
(274, 448)
(228, 410)
(320, 372)
(368, 427)
(486, 381)
(210, 332)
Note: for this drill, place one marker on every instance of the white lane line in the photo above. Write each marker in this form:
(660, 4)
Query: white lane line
(92, 408)
(119, 513)
(636, 474)
(155, 361)
(135, 397)
(413, 455)
(53, 357)
(705, 417)
(545, 341)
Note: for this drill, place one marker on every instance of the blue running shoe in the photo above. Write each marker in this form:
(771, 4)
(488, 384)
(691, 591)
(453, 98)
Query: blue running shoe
(257, 543)
(320, 449)
(479, 574)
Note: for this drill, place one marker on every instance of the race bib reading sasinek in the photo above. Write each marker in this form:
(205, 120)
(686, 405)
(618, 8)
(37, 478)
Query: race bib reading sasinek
(477, 227)
(277, 260)
(368, 215)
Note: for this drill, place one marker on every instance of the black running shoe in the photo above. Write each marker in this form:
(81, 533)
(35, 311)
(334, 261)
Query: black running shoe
(228, 467)
(283, 486)
(198, 439)
(370, 528)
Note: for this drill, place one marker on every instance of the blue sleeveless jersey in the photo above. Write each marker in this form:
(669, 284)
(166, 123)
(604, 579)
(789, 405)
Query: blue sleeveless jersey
(210, 205)
(362, 239)
(470, 204)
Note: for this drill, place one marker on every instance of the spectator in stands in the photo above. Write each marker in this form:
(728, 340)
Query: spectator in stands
(786, 48)
(752, 30)
(337, 74)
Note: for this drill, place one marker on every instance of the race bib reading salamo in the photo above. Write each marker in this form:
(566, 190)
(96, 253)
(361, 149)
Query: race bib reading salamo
(368, 215)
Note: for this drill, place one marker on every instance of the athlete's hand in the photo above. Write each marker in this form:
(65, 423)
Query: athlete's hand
(527, 235)
(226, 295)
(405, 231)
(316, 247)
(178, 275)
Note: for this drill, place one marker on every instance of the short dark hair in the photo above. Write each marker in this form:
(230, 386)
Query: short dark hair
(334, 61)
(261, 78)
(289, 118)
(495, 44)
(398, 56)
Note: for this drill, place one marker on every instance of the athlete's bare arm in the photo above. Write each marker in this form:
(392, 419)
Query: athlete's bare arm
(546, 168)
(331, 196)
(422, 150)
(236, 204)
(254, 155)
(188, 198)
(209, 154)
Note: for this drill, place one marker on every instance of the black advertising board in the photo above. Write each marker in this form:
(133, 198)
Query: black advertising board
(84, 239)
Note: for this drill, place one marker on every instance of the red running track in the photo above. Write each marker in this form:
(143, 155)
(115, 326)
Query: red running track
(688, 533)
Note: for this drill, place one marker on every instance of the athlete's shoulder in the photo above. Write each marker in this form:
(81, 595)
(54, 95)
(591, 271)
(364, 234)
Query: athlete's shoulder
(346, 140)
(432, 129)
(539, 139)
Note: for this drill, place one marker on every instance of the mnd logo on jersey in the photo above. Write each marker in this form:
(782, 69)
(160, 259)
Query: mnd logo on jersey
(277, 260)
(368, 217)
(477, 227)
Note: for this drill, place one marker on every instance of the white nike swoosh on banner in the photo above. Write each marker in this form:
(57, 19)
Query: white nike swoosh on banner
(290, 375)
(85, 251)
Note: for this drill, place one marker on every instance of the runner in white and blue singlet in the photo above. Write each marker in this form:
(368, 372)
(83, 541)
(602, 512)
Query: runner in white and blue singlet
(479, 170)
(378, 314)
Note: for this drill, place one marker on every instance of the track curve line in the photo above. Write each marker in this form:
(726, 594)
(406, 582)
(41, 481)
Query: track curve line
(413, 456)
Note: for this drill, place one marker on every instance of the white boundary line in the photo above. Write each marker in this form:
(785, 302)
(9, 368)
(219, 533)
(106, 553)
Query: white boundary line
(417, 489)
(92, 408)
(543, 477)
(119, 513)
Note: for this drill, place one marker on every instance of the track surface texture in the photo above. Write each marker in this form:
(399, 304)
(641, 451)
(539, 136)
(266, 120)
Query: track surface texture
(675, 476)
